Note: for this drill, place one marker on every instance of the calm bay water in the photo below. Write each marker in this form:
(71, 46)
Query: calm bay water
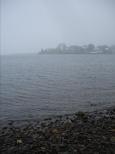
(39, 85)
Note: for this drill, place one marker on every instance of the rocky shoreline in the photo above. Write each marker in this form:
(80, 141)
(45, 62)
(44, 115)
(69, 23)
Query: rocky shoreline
(79, 133)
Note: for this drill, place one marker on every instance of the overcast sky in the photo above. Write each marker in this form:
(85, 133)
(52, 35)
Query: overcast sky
(29, 25)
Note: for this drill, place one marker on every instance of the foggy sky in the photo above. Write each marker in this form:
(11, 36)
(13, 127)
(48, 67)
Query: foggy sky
(29, 25)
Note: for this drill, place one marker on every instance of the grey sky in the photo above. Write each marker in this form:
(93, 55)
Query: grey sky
(29, 25)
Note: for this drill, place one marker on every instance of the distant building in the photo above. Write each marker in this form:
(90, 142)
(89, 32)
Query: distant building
(61, 47)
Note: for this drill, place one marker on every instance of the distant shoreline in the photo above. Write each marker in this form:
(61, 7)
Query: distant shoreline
(75, 49)
(75, 53)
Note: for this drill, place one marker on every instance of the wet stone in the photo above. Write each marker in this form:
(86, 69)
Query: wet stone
(80, 133)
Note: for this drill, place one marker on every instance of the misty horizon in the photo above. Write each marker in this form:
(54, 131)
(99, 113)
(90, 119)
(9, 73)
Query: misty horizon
(68, 46)
(28, 26)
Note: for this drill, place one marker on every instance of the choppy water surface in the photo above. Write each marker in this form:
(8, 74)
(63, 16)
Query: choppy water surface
(36, 85)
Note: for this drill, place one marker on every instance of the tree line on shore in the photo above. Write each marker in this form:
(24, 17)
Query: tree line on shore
(75, 49)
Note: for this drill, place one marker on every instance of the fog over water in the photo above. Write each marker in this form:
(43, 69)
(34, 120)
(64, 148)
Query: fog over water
(29, 25)
(34, 86)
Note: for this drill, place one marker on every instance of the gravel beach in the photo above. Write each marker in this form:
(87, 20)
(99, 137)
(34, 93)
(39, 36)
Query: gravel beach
(79, 133)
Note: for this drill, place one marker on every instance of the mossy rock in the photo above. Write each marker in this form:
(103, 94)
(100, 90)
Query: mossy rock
(82, 115)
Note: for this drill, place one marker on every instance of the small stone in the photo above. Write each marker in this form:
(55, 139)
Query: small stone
(19, 141)
(43, 148)
(112, 130)
(55, 131)
(113, 139)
